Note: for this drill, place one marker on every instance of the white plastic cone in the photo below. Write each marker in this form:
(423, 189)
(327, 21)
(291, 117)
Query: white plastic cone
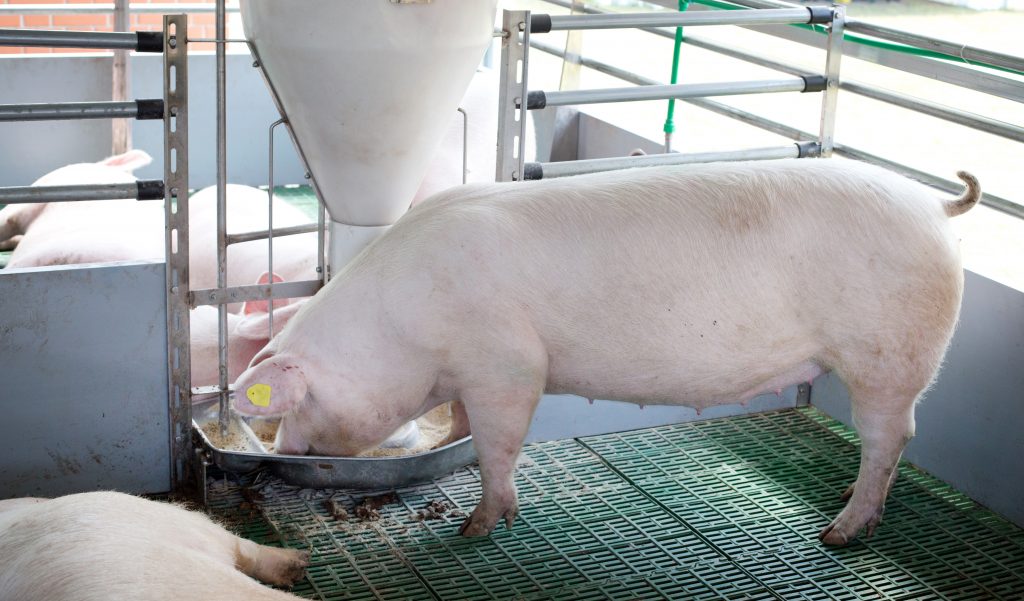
(368, 87)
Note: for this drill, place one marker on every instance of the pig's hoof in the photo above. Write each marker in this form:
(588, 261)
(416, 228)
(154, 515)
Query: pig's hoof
(847, 493)
(288, 567)
(831, 535)
(475, 527)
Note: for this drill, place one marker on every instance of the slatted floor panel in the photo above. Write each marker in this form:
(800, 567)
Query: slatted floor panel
(722, 509)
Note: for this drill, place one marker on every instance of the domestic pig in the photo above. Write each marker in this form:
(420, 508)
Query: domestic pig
(670, 285)
(688, 285)
(64, 233)
(248, 332)
(294, 256)
(107, 545)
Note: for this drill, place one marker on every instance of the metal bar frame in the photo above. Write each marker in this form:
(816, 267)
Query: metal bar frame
(666, 91)
(570, 168)
(177, 246)
(827, 128)
(965, 52)
(322, 214)
(515, 44)
(57, 111)
(223, 413)
(81, 193)
(108, 7)
(778, 16)
(101, 40)
(793, 133)
(239, 294)
(277, 232)
(920, 105)
(120, 129)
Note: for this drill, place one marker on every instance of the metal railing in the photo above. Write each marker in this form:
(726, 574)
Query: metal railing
(979, 69)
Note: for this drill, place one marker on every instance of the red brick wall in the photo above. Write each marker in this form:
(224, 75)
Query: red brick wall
(200, 25)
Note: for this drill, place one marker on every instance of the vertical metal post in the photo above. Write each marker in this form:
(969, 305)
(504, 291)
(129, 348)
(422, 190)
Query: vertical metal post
(176, 243)
(321, 239)
(515, 43)
(222, 245)
(572, 66)
(465, 144)
(270, 227)
(121, 129)
(826, 136)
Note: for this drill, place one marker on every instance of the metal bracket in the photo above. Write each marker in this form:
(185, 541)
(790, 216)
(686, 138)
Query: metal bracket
(826, 137)
(803, 395)
(176, 245)
(515, 44)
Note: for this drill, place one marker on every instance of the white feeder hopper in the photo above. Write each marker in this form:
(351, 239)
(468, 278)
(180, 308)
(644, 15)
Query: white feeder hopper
(368, 88)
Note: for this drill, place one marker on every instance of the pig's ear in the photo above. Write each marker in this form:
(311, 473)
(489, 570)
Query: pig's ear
(129, 161)
(255, 326)
(262, 306)
(272, 387)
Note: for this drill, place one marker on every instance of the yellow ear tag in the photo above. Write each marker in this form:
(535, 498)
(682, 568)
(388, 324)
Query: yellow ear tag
(259, 395)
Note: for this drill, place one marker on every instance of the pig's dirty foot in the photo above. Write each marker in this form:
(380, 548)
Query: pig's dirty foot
(280, 567)
(844, 529)
(481, 522)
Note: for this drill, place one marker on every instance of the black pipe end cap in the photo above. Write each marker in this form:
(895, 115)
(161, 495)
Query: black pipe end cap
(821, 14)
(149, 41)
(808, 149)
(814, 83)
(536, 100)
(533, 171)
(150, 189)
(540, 23)
(152, 108)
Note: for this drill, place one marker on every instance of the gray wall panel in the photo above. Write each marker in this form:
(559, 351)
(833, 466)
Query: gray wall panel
(83, 380)
(970, 425)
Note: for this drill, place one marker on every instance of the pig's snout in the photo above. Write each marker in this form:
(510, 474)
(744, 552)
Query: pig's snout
(271, 388)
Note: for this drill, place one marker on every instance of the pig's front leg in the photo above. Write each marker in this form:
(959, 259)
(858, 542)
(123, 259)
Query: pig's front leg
(499, 422)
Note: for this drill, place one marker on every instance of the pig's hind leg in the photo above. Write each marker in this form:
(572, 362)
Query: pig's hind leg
(884, 385)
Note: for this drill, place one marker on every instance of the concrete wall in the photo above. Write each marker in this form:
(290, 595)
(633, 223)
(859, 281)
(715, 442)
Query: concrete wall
(83, 380)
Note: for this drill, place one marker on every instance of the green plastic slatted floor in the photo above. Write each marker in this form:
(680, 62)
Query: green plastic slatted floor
(721, 509)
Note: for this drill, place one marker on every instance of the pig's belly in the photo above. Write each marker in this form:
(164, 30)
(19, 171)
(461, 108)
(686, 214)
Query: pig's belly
(694, 379)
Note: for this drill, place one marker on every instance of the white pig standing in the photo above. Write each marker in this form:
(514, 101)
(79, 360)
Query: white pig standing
(107, 545)
(674, 285)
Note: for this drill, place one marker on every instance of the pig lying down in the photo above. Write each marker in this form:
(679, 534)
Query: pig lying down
(676, 285)
(106, 545)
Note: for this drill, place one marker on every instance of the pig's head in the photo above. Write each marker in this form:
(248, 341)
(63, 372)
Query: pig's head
(248, 333)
